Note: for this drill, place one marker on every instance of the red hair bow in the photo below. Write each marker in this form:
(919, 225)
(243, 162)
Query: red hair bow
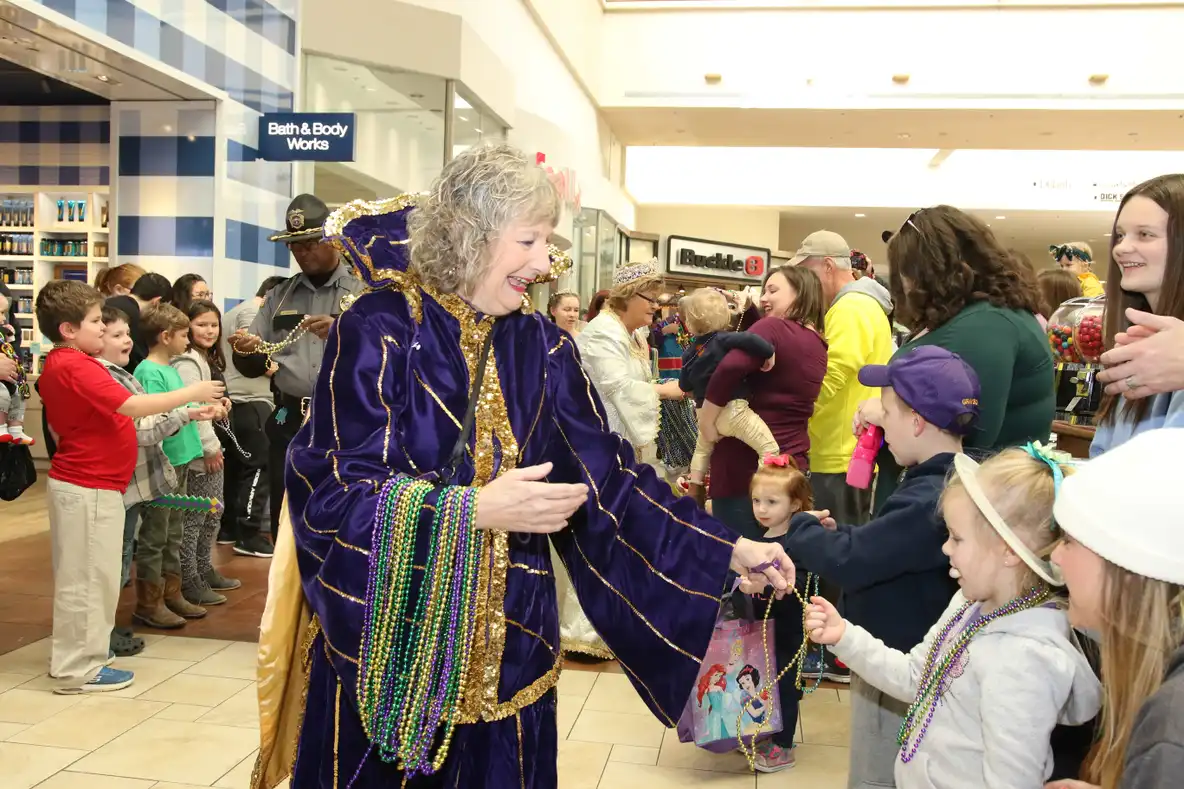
(781, 461)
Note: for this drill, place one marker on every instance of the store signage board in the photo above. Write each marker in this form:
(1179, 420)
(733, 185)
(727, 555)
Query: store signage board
(307, 136)
(699, 257)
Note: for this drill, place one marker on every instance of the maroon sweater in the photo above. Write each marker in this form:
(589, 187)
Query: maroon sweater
(784, 397)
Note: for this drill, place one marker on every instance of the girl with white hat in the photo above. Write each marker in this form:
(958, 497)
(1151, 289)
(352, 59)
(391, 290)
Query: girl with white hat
(1123, 561)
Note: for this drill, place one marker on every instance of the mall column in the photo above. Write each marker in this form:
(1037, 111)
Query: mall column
(314, 298)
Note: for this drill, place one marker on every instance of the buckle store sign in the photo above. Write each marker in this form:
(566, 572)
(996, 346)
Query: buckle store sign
(699, 257)
(307, 137)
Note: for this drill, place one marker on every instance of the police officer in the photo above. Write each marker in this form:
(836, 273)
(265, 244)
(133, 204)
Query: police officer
(312, 299)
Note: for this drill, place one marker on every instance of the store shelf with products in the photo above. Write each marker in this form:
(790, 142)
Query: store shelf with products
(48, 233)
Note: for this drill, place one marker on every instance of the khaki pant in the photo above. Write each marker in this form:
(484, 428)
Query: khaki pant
(86, 527)
(736, 420)
(158, 550)
(875, 724)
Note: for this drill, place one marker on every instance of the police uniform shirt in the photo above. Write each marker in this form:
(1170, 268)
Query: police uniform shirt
(286, 306)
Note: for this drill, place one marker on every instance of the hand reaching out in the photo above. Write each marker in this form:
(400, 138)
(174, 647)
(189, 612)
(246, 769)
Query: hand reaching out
(761, 564)
(823, 623)
(521, 501)
(202, 413)
(318, 325)
(824, 518)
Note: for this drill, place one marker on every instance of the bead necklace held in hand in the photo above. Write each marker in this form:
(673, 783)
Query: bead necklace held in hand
(270, 348)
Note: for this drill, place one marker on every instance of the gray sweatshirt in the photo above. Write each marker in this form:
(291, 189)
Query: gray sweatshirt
(1021, 675)
(1155, 753)
(193, 368)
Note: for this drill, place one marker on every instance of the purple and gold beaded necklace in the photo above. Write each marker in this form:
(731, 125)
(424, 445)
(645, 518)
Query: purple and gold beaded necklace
(938, 671)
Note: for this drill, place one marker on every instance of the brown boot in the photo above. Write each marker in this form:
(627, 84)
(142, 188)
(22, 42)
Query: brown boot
(698, 493)
(150, 607)
(177, 602)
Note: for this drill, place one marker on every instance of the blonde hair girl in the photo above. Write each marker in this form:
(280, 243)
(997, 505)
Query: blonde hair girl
(1123, 561)
(1002, 667)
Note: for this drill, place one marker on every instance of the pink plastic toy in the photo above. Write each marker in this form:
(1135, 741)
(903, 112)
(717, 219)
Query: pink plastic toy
(863, 460)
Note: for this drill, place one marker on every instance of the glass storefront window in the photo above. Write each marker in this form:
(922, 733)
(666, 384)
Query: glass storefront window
(472, 124)
(400, 127)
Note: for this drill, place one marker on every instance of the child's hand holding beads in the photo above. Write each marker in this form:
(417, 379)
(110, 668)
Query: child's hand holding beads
(823, 623)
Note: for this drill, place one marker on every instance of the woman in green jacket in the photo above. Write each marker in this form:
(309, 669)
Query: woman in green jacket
(958, 288)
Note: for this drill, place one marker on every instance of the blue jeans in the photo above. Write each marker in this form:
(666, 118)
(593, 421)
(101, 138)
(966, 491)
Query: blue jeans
(736, 514)
(129, 541)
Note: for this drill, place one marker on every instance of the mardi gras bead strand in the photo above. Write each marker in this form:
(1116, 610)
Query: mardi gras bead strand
(224, 424)
(270, 348)
(412, 664)
(806, 642)
(798, 659)
(935, 675)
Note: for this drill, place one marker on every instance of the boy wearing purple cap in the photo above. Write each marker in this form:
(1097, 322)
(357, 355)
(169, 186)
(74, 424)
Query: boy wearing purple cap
(894, 576)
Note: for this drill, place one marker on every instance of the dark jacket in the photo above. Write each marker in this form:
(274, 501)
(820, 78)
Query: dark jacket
(895, 579)
(1155, 752)
(707, 351)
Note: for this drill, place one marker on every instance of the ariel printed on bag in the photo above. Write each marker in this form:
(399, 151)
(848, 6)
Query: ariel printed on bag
(727, 702)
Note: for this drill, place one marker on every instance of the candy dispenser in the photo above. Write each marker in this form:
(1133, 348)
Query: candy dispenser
(1077, 336)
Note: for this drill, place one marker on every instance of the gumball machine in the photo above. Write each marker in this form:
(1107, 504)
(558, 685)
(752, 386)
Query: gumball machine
(1076, 335)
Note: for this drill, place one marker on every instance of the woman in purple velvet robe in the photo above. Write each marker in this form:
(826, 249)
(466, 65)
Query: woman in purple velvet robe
(392, 396)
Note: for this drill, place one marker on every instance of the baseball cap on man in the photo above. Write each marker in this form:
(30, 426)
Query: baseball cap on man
(935, 383)
(822, 244)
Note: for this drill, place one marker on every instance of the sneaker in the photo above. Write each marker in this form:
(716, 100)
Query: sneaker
(811, 666)
(771, 758)
(255, 545)
(225, 537)
(836, 671)
(107, 679)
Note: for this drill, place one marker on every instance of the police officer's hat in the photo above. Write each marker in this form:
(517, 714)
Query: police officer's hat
(305, 220)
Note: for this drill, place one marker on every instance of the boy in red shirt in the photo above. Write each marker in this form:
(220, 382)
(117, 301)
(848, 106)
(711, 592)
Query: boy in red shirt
(96, 455)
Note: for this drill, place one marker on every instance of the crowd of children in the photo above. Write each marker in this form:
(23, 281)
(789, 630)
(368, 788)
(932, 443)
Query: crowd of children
(114, 454)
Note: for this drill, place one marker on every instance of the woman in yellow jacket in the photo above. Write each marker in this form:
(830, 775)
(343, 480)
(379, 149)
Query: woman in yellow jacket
(1077, 258)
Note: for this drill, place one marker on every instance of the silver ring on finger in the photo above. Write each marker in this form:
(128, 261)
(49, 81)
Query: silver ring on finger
(1131, 383)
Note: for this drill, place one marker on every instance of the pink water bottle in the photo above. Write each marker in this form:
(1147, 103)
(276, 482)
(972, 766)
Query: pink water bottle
(863, 460)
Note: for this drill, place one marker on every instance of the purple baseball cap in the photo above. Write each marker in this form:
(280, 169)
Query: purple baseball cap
(935, 383)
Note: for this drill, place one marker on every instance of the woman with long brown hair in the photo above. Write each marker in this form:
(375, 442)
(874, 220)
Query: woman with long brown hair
(1147, 274)
(959, 288)
(1127, 584)
(118, 280)
(1056, 287)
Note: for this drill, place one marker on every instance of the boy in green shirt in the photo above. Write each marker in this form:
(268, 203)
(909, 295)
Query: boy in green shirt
(164, 330)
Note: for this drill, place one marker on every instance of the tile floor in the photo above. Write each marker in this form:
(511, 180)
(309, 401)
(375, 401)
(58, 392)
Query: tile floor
(195, 699)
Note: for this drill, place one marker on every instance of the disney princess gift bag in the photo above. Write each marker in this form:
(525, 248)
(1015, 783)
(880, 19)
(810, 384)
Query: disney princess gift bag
(728, 701)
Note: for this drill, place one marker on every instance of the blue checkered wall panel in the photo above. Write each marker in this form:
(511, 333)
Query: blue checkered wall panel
(249, 243)
(167, 236)
(55, 146)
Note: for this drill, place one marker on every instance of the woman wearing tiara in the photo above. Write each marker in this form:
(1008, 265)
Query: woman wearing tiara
(412, 612)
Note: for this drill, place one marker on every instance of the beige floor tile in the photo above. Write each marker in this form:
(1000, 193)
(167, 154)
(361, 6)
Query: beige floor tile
(182, 648)
(31, 660)
(614, 693)
(68, 780)
(634, 754)
(818, 767)
(168, 785)
(576, 683)
(9, 729)
(197, 752)
(190, 689)
(32, 706)
(635, 776)
(240, 776)
(25, 766)
(182, 712)
(237, 661)
(581, 763)
(91, 723)
(10, 681)
(241, 709)
(688, 757)
(149, 672)
(826, 723)
(617, 728)
(567, 710)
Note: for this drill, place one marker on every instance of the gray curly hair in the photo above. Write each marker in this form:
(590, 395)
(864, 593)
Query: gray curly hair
(478, 194)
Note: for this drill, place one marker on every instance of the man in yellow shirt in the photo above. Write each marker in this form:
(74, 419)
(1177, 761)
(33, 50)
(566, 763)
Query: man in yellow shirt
(1077, 258)
(858, 333)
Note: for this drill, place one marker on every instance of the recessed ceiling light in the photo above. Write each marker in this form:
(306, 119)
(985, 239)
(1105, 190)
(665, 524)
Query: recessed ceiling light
(168, 128)
(368, 89)
(102, 78)
(1107, 235)
(1001, 217)
(903, 136)
(860, 216)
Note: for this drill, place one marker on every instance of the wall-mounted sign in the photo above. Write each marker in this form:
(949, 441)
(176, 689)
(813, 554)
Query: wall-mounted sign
(698, 257)
(565, 181)
(307, 136)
